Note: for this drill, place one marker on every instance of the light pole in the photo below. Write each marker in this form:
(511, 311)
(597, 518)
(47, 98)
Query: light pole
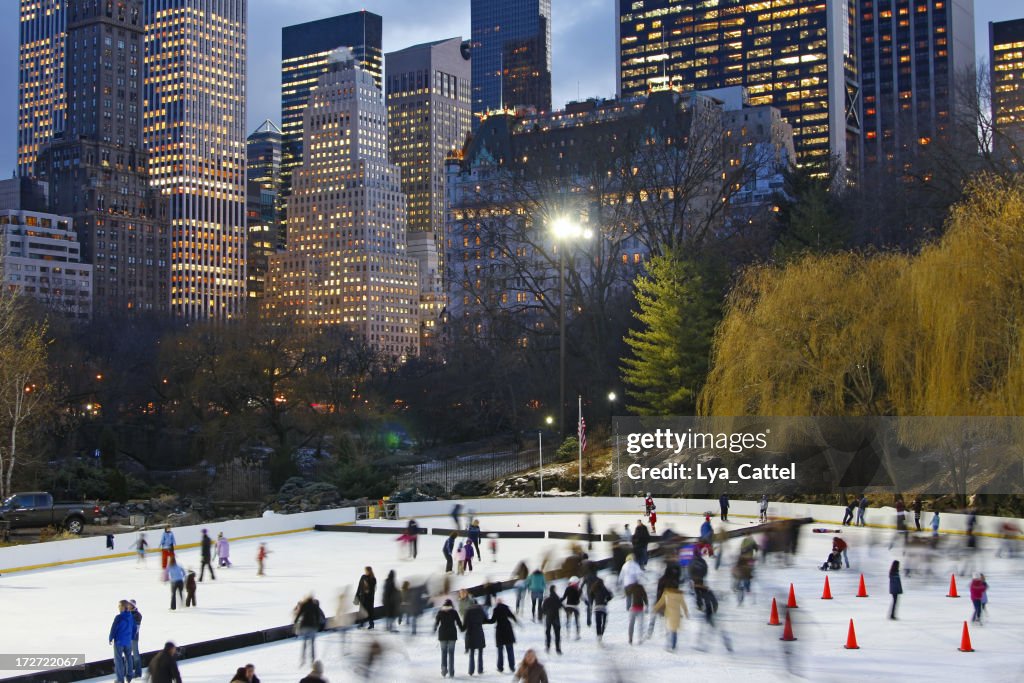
(618, 469)
(564, 231)
(540, 451)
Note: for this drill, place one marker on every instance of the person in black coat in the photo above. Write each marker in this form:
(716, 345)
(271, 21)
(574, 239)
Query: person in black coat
(392, 600)
(474, 620)
(504, 636)
(447, 549)
(895, 586)
(572, 596)
(599, 597)
(641, 539)
(163, 668)
(551, 608)
(447, 624)
(366, 591)
(206, 552)
(723, 504)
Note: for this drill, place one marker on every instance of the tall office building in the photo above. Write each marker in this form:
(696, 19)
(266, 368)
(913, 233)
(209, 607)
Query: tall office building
(346, 262)
(264, 224)
(304, 57)
(429, 115)
(916, 60)
(98, 168)
(511, 46)
(194, 129)
(796, 55)
(1006, 57)
(40, 78)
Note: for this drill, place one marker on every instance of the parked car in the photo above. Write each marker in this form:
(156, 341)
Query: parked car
(37, 509)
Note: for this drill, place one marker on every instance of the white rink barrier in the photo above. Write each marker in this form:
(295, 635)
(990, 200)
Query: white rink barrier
(55, 553)
(831, 515)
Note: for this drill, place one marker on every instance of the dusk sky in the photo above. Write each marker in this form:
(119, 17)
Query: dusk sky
(583, 33)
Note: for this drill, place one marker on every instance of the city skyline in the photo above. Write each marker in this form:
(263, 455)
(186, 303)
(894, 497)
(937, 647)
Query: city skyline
(583, 47)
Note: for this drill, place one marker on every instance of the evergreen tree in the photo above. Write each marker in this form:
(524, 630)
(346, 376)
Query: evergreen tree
(810, 217)
(679, 304)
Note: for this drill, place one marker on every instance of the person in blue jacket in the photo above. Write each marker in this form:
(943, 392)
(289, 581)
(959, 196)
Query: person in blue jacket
(176, 575)
(121, 632)
(474, 536)
(448, 549)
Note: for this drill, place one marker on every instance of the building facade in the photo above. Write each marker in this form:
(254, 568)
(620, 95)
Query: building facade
(40, 257)
(194, 129)
(798, 56)
(522, 173)
(429, 116)
(916, 59)
(347, 262)
(1006, 60)
(511, 50)
(265, 217)
(40, 77)
(304, 57)
(97, 167)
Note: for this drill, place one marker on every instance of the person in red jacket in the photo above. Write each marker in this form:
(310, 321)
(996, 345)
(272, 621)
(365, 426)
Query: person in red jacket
(840, 546)
(648, 505)
(654, 521)
(978, 588)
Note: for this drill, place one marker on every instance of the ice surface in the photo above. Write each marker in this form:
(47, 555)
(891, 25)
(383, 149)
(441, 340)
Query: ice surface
(69, 610)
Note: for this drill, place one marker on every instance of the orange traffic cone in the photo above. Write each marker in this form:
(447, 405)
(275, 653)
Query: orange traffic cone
(851, 639)
(965, 640)
(862, 591)
(827, 593)
(773, 620)
(787, 631)
(952, 587)
(791, 603)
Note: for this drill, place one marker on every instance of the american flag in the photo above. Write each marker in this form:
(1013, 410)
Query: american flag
(581, 433)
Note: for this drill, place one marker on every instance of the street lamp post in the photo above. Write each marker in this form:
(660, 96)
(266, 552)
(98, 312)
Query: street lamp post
(564, 231)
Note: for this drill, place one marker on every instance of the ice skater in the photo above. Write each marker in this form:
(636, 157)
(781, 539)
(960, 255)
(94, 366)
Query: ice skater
(673, 606)
(637, 601)
(223, 551)
(206, 553)
(190, 589)
(121, 631)
(504, 634)
(723, 505)
(261, 558)
(166, 546)
(308, 619)
(571, 598)
(552, 610)
(764, 507)
(895, 586)
(176, 576)
(366, 591)
(140, 549)
(473, 624)
(447, 625)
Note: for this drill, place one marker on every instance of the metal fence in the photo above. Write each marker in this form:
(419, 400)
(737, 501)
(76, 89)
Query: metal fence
(481, 467)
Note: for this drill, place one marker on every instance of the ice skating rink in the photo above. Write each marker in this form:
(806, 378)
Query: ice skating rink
(69, 610)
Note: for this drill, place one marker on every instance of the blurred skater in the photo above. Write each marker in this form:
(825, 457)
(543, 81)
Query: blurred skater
(261, 558)
(530, 670)
(637, 601)
(140, 548)
(979, 587)
(448, 550)
(673, 606)
(599, 596)
(571, 598)
(552, 609)
(308, 620)
(392, 601)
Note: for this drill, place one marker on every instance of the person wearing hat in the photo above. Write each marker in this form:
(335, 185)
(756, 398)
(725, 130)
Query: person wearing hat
(163, 668)
(316, 674)
(206, 549)
(447, 624)
(571, 598)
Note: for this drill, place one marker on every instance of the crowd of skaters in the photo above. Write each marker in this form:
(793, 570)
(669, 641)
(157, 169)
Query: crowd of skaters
(583, 590)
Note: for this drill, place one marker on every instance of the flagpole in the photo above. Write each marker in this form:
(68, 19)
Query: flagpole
(579, 438)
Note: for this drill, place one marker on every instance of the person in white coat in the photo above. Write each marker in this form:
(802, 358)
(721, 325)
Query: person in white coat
(631, 573)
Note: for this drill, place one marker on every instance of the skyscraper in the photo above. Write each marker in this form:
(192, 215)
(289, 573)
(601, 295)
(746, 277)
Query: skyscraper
(195, 132)
(98, 168)
(429, 115)
(346, 262)
(915, 56)
(796, 55)
(304, 52)
(264, 224)
(40, 78)
(1006, 57)
(511, 46)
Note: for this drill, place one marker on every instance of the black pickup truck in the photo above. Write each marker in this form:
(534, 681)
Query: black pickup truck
(37, 509)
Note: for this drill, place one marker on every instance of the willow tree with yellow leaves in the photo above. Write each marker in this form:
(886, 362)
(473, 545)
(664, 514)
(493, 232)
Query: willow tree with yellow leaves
(849, 334)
